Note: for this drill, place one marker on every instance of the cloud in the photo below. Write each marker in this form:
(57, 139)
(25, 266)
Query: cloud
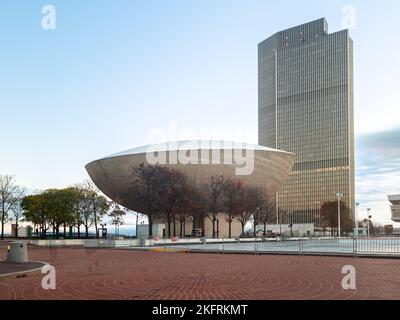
(377, 172)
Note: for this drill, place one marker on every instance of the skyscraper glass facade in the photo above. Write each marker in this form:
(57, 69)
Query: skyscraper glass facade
(306, 107)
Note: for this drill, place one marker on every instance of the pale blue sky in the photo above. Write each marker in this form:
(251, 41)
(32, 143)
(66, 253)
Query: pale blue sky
(112, 72)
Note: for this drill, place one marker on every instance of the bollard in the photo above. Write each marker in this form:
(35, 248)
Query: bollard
(17, 252)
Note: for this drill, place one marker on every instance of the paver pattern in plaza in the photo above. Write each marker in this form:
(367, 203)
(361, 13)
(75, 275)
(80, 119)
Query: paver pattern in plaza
(130, 274)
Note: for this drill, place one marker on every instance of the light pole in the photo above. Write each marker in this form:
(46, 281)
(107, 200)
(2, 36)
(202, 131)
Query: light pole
(339, 197)
(356, 220)
(368, 217)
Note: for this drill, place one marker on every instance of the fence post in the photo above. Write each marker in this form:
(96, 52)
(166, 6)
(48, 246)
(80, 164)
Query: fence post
(300, 246)
(356, 248)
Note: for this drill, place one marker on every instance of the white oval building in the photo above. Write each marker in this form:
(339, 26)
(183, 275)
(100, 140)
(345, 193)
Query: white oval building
(199, 159)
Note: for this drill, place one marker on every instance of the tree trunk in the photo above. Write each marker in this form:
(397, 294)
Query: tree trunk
(265, 228)
(95, 218)
(137, 221)
(2, 227)
(43, 222)
(254, 229)
(174, 226)
(3, 214)
(213, 226)
(230, 228)
(16, 228)
(242, 223)
(65, 230)
(169, 226)
(79, 231)
(150, 226)
(87, 231)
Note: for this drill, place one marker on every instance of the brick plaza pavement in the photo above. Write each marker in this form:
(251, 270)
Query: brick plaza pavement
(128, 274)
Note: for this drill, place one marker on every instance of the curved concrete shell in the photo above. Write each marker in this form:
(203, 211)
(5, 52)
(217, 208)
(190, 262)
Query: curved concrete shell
(254, 165)
(395, 207)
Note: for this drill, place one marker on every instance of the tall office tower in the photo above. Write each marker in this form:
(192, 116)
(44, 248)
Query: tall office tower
(305, 79)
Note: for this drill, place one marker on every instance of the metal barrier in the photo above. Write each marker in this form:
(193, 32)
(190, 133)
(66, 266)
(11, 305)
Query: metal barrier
(345, 246)
(389, 246)
(221, 245)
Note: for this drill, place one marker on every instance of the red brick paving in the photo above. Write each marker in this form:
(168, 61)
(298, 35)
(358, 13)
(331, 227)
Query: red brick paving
(128, 274)
(6, 267)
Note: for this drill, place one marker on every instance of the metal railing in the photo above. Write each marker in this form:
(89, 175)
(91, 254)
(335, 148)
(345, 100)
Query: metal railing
(342, 246)
(379, 246)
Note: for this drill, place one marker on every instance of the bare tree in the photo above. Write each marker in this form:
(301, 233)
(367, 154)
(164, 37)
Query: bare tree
(254, 202)
(79, 207)
(173, 196)
(267, 213)
(83, 212)
(117, 216)
(213, 189)
(191, 205)
(138, 217)
(17, 215)
(196, 206)
(244, 217)
(10, 193)
(146, 193)
(233, 203)
(329, 214)
(98, 203)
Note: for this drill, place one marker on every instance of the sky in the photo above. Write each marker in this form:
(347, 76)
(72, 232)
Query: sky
(114, 75)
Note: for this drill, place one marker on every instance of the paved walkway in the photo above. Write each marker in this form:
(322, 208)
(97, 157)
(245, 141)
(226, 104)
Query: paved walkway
(7, 268)
(129, 274)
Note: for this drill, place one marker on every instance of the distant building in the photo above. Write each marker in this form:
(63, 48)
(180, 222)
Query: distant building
(395, 207)
(23, 232)
(305, 77)
(203, 227)
(396, 231)
(295, 230)
(362, 231)
(142, 230)
(388, 229)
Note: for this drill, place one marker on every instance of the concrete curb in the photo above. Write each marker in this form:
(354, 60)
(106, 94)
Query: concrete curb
(18, 274)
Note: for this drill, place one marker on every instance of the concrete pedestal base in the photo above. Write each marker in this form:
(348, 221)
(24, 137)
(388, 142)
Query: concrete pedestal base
(17, 252)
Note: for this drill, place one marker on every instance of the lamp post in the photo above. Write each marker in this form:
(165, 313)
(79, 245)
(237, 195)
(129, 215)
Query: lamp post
(339, 197)
(356, 220)
(368, 217)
